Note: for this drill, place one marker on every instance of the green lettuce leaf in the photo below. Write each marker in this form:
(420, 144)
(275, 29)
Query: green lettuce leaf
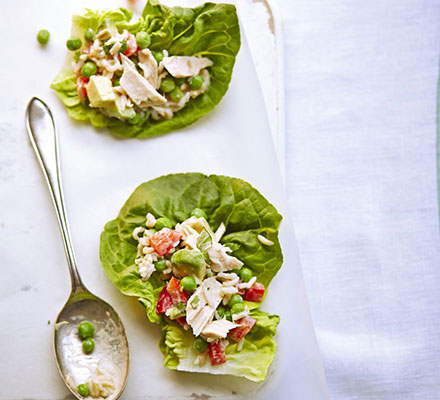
(211, 30)
(243, 210)
(251, 362)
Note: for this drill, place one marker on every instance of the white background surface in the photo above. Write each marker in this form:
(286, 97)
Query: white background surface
(361, 82)
(99, 174)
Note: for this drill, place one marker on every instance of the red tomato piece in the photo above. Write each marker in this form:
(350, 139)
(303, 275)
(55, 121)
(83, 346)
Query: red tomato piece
(131, 46)
(164, 302)
(217, 353)
(81, 87)
(241, 292)
(255, 293)
(246, 324)
(176, 293)
(164, 240)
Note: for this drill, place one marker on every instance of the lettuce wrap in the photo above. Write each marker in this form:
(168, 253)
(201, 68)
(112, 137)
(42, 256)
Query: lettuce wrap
(245, 214)
(210, 30)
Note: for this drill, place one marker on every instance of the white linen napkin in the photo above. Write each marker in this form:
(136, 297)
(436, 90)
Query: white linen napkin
(361, 86)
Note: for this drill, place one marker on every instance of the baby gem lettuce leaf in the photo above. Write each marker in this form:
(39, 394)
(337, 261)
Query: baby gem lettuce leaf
(245, 213)
(210, 30)
(251, 362)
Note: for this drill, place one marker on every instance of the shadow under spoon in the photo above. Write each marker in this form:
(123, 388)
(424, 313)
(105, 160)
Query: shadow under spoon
(105, 369)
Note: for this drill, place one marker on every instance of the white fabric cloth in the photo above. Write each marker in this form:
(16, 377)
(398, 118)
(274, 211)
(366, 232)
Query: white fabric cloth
(361, 86)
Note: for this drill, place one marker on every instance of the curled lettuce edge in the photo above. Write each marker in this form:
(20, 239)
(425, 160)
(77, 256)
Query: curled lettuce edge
(210, 30)
(251, 362)
(246, 213)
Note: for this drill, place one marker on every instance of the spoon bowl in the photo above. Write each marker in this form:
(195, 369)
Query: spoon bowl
(110, 356)
(105, 369)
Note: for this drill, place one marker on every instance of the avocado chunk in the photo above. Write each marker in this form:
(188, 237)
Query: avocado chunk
(100, 91)
(188, 262)
(113, 110)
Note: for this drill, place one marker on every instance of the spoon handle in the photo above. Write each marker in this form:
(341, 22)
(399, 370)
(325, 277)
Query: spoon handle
(42, 132)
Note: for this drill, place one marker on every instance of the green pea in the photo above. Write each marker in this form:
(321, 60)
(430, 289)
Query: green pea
(124, 47)
(89, 35)
(167, 84)
(86, 329)
(237, 308)
(235, 299)
(136, 119)
(143, 39)
(43, 36)
(180, 81)
(163, 222)
(200, 344)
(228, 315)
(161, 265)
(189, 284)
(221, 311)
(83, 390)
(246, 274)
(196, 82)
(74, 43)
(158, 56)
(88, 69)
(176, 94)
(198, 213)
(88, 345)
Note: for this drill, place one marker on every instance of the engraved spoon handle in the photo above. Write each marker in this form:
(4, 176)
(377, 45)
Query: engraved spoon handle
(42, 132)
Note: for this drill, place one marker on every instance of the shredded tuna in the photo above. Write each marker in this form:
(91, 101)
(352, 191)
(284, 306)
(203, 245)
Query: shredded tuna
(247, 285)
(137, 87)
(216, 286)
(101, 383)
(220, 231)
(245, 313)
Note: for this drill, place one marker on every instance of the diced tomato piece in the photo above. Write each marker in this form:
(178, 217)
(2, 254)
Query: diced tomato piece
(164, 302)
(246, 324)
(217, 353)
(176, 293)
(81, 87)
(182, 321)
(255, 293)
(164, 240)
(131, 46)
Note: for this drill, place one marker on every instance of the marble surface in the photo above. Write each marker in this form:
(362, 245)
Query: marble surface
(98, 176)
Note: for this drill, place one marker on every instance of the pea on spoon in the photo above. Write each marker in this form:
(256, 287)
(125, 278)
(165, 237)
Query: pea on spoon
(107, 365)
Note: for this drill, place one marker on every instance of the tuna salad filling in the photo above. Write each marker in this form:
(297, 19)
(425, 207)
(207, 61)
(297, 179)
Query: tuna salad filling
(205, 287)
(121, 76)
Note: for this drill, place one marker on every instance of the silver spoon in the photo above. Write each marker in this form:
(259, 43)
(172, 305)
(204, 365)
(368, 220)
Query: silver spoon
(110, 359)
